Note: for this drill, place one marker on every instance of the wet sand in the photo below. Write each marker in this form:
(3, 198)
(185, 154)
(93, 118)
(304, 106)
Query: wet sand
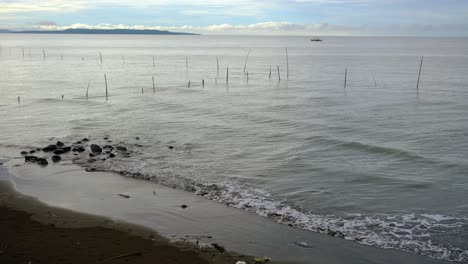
(32, 232)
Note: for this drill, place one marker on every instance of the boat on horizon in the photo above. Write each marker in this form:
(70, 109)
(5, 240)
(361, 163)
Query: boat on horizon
(315, 39)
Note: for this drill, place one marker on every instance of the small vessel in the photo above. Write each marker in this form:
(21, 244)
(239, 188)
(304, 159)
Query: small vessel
(315, 39)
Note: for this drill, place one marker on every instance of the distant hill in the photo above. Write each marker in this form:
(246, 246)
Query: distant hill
(99, 31)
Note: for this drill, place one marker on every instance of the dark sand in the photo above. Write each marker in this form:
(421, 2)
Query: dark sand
(32, 232)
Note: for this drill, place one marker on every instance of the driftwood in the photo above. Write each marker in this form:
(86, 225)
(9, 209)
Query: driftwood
(127, 255)
(124, 195)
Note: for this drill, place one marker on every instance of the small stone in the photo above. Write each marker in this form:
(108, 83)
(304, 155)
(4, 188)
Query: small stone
(112, 155)
(24, 153)
(59, 144)
(78, 149)
(104, 159)
(90, 169)
(59, 152)
(85, 140)
(120, 148)
(49, 148)
(42, 162)
(106, 138)
(91, 155)
(78, 142)
(30, 159)
(137, 138)
(107, 147)
(183, 206)
(95, 148)
(171, 147)
(56, 158)
(66, 149)
(32, 151)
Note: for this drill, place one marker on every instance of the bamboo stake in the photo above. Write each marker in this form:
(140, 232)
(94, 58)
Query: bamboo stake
(247, 77)
(154, 87)
(279, 76)
(87, 90)
(227, 74)
(269, 75)
(100, 57)
(203, 83)
(345, 77)
(141, 90)
(105, 80)
(43, 53)
(188, 84)
(19, 100)
(217, 66)
(419, 75)
(186, 63)
(246, 58)
(287, 64)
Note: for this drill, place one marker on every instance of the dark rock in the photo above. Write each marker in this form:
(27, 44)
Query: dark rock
(78, 142)
(104, 159)
(91, 160)
(56, 158)
(32, 151)
(112, 155)
(108, 147)
(124, 195)
(120, 148)
(106, 138)
(108, 151)
(24, 153)
(59, 144)
(38, 149)
(78, 149)
(109, 141)
(183, 206)
(90, 169)
(95, 148)
(171, 147)
(137, 138)
(85, 140)
(218, 247)
(42, 162)
(30, 159)
(66, 149)
(91, 155)
(49, 148)
(59, 152)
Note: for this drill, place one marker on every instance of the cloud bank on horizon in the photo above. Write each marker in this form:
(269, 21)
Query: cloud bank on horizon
(267, 17)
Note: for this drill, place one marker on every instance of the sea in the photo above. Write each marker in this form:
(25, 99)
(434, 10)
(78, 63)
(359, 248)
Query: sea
(361, 138)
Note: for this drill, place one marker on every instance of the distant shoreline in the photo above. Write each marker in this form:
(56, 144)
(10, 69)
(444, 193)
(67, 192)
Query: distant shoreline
(99, 31)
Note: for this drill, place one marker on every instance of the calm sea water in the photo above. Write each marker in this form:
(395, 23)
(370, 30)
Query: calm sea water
(377, 162)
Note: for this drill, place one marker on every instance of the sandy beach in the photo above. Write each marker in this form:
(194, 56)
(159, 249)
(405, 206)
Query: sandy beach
(33, 232)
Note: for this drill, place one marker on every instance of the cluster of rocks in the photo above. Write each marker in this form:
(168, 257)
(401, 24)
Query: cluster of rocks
(56, 150)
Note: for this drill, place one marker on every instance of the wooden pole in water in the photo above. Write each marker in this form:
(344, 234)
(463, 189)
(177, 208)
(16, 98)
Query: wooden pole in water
(247, 77)
(227, 74)
(345, 77)
(188, 84)
(217, 66)
(154, 87)
(105, 80)
(246, 58)
(141, 90)
(269, 75)
(419, 75)
(279, 76)
(186, 63)
(203, 83)
(123, 59)
(22, 49)
(100, 57)
(87, 90)
(287, 64)
(19, 100)
(43, 53)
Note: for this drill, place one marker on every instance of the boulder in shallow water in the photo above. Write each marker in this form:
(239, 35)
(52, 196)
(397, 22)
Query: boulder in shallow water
(59, 152)
(56, 158)
(78, 149)
(66, 149)
(49, 148)
(30, 159)
(59, 144)
(42, 162)
(121, 148)
(95, 148)
(85, 140)
(112, 155)
(24, 153)
(32, 151)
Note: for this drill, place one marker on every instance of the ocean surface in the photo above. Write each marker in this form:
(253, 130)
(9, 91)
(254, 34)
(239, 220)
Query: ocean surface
(378, 162)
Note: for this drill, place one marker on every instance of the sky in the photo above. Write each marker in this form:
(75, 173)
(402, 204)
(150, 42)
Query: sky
(246, 17)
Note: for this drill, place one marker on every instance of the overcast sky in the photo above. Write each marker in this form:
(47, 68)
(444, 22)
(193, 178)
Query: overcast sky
(268, 17)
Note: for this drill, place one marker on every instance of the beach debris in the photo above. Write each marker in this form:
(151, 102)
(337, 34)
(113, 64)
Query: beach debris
(262, 260)
(183, 206)
(124, 195)
(56, 158)
(302, 244)
(127, 255)
(59, 144)
(49, 148)
(24, 153)
(95, 148)
(218, 247)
